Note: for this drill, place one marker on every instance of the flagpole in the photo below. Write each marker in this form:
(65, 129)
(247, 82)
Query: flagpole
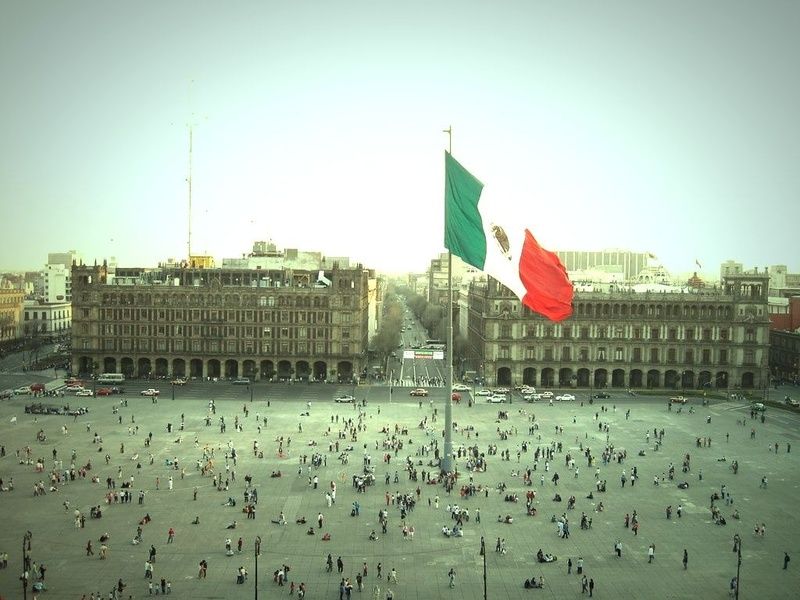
(447, 457)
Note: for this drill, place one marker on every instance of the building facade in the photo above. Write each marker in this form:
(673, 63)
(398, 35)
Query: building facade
(286, 324)
(698, 340)
(631, 263)
(49, 320)
(11, 304)
(784, 355)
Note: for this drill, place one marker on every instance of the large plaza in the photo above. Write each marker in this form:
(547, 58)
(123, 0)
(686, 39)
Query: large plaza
(422, 563)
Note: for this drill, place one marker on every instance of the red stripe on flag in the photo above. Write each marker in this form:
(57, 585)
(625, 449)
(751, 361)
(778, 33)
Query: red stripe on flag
(548, 289)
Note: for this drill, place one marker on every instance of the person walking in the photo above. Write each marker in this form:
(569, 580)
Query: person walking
(569, 566)
(584, 585)
(786, 560)
(451, 575)
(340, 564)
(685, 559)
(591, 587)
(651, 553)
(618, 548)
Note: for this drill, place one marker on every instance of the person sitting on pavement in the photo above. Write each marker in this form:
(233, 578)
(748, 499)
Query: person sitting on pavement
(545, 558)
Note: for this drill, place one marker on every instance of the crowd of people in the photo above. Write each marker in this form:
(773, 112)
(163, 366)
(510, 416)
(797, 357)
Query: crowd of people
(407, 474)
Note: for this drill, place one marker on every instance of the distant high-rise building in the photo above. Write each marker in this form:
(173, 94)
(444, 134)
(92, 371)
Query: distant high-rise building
(583, 260)
(729, 268)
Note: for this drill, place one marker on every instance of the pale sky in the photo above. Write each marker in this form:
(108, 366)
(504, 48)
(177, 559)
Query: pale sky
(666, 127)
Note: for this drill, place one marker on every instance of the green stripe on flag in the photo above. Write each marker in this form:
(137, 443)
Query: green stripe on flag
(463, 225)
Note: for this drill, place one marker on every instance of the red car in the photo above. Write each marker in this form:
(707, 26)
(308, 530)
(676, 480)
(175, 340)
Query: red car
(104, 391)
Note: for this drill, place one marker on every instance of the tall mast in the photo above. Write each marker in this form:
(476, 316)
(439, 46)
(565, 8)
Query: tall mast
(447, 456)
(189, 181)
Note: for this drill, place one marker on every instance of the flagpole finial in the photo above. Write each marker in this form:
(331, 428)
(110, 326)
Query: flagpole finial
(449, 132)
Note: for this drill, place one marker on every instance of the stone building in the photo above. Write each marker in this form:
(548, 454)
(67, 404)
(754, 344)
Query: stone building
(11, 304)
(785, 356)
(262, 323)
(47, 320)
(692, 340)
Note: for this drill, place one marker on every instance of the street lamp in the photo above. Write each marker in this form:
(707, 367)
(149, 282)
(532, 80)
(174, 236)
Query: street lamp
(257, 552)
(173, 390)
(24, 576)
(483, 554)
(738, 566)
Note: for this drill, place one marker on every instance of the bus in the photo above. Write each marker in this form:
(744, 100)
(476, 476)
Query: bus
(112, 378)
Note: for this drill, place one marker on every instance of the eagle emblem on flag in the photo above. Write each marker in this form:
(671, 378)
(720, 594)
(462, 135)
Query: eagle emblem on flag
(501, 237)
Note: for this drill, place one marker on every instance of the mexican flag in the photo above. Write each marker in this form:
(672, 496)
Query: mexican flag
(501, 246)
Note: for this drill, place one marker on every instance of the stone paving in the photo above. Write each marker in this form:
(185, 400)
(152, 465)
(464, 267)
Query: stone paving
(422, 564)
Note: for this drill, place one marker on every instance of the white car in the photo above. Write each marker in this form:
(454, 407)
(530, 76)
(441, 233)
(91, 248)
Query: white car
(84, 393)
(73, 388)
(483, 392)
(461, 387)
(526, 389)
(565, 398)
(501, 390)
(496, 398)
(150, 392)
(547, 395)
(25, 389)
(344, 398)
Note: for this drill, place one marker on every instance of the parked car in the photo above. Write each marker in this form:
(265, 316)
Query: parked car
(418, 392)
(150, 392)
(178, 381)
(496, 398)
(547, 395)
(501, 390)
(37, 387)
(461, 387)
(565, 398)
(84, 392)
(241, 381)
(104, 391)
(678, 400)
(758, 406)
(791, 402)
(601, 395)
(25, 389)
(483, 392)
(117, 390)
(6, 394)
(344, 398)
(73, 388)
